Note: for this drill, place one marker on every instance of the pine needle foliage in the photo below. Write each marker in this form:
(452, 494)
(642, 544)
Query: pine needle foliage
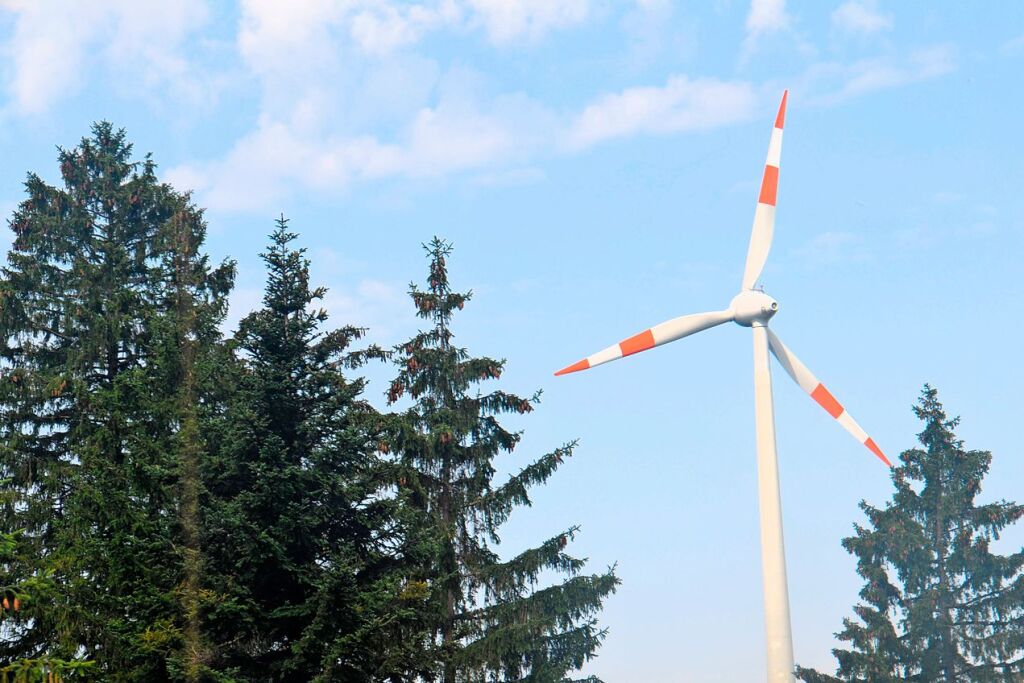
(90, 410)
(295, 517)
(485, 619)
(938, 604)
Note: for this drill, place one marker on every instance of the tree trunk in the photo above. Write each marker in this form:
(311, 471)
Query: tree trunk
(195, 651)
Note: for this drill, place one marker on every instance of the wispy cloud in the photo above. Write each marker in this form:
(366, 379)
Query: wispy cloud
(870, 75)
(861, 16)
(764, 18)
(452, 136)
(458, 133)
(509, 20)
(384, 27)
(389, 111)
(681, 104)
(379, 27)
(58, 46)
(348, 92)
(380, 306)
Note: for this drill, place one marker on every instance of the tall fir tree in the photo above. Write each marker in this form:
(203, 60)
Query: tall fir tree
(485, 619)
(297, 523)
(90, 408)
(938, 605)
(189, 362)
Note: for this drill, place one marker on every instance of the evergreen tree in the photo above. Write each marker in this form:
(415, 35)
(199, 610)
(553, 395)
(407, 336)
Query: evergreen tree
(296, 523)
(90, 408)
(484, 619)
(12, 597)
(937, 605)
(188, 366)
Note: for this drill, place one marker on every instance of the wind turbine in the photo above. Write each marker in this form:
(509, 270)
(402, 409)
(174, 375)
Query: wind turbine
(753, 308)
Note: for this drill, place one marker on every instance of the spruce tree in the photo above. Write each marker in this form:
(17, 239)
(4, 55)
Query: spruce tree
(12, 597)
(188, 369)
(484, 618)
(295, 521)
(90, 407)
(938, 605)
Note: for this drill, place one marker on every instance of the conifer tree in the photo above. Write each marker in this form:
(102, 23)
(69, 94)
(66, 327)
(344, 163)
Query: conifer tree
(295, 518)
(12, 597)
(938, 605)
(485, 619)
(189, 362)
(90, 409)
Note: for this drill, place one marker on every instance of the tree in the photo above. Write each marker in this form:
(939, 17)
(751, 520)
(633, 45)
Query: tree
(485, 618)
(91, 342)
(44, 668)
(938, 604)
(296, 521)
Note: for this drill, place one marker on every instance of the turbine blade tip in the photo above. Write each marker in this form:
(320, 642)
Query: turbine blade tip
(575, 367)
(873, 447)
(781, 118)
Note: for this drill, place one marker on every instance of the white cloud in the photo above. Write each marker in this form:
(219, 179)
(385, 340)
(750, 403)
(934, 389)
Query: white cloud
(509, 20)
(57, 45)
(871, 75)
(680, 105)
(382, 307)
(858, 16)
(382, 29)
(345, 97)
(457, 134)
(276, 36)
(382, 26)
(766, 16)
(290, 45)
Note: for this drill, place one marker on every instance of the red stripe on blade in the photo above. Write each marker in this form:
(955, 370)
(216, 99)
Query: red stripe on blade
(827, 401)
(873, 447)
(781, 118)
(637, 343)
(575, 367)
(769, 185)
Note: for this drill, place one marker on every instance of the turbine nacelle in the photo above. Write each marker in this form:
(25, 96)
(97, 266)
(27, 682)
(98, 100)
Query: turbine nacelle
(753, 308)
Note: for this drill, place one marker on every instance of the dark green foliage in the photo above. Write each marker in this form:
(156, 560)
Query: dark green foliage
(175, 506)
(89, 405)
(12, 598)
(937, 604)
(295, 522)
(484, 619)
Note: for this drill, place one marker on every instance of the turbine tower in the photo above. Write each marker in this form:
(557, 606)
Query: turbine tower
(753, 308)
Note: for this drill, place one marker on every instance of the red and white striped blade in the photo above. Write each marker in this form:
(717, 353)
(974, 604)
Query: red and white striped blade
(668, 331)
(764, 214)
(809, 383)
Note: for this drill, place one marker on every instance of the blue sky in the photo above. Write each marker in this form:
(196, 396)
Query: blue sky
(596, 164)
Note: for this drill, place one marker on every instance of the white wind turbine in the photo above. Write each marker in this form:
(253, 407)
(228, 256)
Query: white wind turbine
(753, 308)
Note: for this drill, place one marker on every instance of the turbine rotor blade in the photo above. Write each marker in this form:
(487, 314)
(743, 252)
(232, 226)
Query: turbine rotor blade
(809, 383)
(764, 214)
(666, 332)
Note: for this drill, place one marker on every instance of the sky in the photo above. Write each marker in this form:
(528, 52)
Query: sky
(596, 165)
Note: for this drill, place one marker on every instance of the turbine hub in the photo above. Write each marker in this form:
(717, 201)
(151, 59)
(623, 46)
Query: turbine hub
(753, 308)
